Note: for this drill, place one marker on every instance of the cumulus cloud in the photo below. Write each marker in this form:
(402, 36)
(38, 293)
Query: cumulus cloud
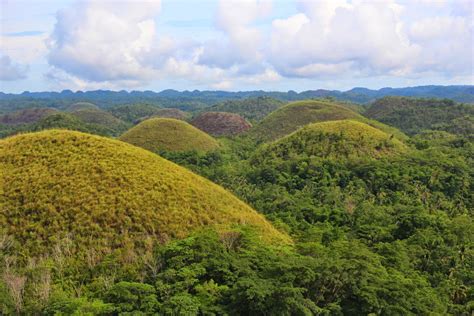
(241, 42)
(116, 44)
(104, 40)
(10, 71)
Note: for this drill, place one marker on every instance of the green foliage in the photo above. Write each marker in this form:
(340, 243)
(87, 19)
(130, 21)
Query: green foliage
(134, 112)
(26, 116)
(413, 115)
(253, 109)
(293, 116)
(101, 118)
(173, 135)
(130, 297)
(81, 106)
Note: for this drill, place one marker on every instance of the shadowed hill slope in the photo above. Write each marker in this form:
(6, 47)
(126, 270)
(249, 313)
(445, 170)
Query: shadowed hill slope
(26, 116)
(253, 109)
(221, 123)
(168, 134)
(413, 115)
(104, 193)
(102, 118)
(82, 106)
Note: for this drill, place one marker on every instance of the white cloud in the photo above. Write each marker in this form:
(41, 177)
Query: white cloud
(104, 40)
(10, 71)
(116, 44)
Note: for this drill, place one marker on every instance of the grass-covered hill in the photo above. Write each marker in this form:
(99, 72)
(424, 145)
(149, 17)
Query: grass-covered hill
(173, 113)
(134, 112)
(413, 115)
(221, 123)
(253, 109)
(344, 139)
(158, 134)
(293, 116)
(105, 194)
(26, 116)
(102, 118)
(81, 106)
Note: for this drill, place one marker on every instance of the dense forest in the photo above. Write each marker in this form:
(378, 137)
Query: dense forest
(367, 209)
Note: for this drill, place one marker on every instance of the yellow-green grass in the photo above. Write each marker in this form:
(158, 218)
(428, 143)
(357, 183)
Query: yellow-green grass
(168, 134)
(295, 115)
(334, 139)
(103, 193)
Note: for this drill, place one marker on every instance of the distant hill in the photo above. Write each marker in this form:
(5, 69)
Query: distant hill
(295, 115)
(134, 112)
(82, 106)
(173, 113)
(253, 109)
(413, 115)
(197, 100)
(221, 123)
(104, 194)
(345, 139)
(102, 118)
(168, 134)
(26, 116)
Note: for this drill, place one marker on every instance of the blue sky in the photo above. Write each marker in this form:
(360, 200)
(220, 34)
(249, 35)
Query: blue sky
(234, 44)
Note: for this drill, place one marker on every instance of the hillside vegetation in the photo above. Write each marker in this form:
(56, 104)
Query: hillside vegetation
(104, 193)
(221, 123)
(26, 116)
(253, 109)
(413, 115)
(157, 134)
(81, 106)
(103, 119)
(334, 139)
(290, 117)
(134, 112)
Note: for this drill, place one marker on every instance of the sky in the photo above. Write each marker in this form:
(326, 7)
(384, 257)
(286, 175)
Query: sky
(234, 45)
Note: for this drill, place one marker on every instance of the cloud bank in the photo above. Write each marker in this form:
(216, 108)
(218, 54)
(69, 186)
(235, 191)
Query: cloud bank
(104, 43)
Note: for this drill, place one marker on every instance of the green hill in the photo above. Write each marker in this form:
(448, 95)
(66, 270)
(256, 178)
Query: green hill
(168, 134)
(173, 113)
(82, 106)
(221, 123)
(333, 139)
(134, 112)
(103, 119)
(104, 193)
(413, 115)
(292, 116)
(253, 109)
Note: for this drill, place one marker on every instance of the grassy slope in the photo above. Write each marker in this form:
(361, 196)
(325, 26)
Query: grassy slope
(334, 139)
(134, 112)
(253, 109)
(221, 123)
(102, 118)
(298, 114)
(169, 134)
(412, 115)
(82, 106)
(105, 193)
